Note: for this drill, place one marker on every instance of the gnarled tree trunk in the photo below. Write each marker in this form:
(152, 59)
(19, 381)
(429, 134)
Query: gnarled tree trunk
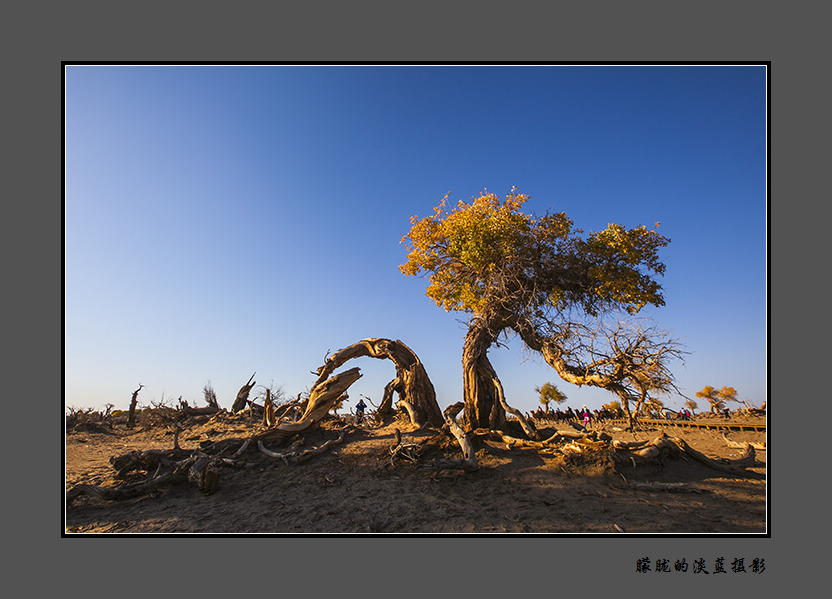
(411, 382)
(482, 405)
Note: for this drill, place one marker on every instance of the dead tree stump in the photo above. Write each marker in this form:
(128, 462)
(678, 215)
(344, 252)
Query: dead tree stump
(242, 396)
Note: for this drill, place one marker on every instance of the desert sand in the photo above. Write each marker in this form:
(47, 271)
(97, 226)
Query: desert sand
(358, 488)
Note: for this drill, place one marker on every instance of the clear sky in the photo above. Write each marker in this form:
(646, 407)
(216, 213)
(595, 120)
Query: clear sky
(227, 220)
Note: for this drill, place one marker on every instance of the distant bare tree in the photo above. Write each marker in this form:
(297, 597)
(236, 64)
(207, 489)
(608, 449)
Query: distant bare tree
(131, 414)
(210, 395)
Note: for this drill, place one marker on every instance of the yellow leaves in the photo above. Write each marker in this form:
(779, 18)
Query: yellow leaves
(461, 248)
(466, 249)
(707, 392)
(555, 298)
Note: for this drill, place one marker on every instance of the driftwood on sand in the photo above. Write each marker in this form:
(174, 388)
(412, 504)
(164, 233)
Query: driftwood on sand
(202, 466)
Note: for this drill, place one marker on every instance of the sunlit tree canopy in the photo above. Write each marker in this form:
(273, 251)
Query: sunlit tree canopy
(717, 398)
(486, 253)
(548, 393)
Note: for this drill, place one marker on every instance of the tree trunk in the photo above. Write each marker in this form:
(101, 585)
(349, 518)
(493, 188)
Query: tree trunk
(482, 406)
(386, 406)
(469, 456)
(625, 404)
(411, 383)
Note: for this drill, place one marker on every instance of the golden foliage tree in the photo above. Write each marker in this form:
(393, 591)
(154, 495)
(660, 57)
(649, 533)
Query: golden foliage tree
(532, 275)
(549, 393)
(613, 406)
(717, 397)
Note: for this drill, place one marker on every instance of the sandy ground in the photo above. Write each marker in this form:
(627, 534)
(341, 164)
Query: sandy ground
(356, 488)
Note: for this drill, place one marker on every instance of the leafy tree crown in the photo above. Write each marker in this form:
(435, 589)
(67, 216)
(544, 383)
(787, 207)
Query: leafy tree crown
(487, 252)
(550, 393)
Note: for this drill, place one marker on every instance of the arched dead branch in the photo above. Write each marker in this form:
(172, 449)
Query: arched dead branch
(411, 382)
(528, 427)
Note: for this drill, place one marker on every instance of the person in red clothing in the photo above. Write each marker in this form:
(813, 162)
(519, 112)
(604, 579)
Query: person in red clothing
(587, 417)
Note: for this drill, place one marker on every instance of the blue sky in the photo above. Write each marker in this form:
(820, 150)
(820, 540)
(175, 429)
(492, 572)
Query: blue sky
(226, 220)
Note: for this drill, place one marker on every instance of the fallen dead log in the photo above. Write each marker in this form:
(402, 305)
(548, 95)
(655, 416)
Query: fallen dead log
(296, 457)
(630, 444)
(561, 435)
(572, 447)
(173, 466)
(747, 459)
(122, 492)
(593, 439)
(676, 447)
(743, 445)
(189, 412)
(510, 442)
(149, 460)
(200, 469)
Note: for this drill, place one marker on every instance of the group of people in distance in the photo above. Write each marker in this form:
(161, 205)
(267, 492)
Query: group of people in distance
(583, 416)
(587, 417)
